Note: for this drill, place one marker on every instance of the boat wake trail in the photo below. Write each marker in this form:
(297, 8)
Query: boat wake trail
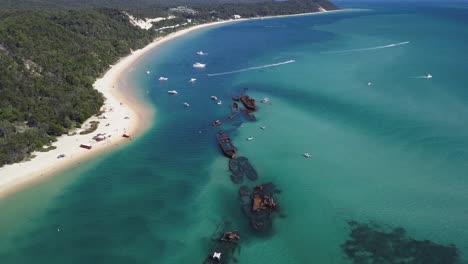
(366, 49)
(252, 68)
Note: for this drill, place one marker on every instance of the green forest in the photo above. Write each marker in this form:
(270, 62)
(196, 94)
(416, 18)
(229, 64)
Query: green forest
(50, 58)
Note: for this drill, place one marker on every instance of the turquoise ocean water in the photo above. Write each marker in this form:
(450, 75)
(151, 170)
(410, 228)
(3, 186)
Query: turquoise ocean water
(393, 152)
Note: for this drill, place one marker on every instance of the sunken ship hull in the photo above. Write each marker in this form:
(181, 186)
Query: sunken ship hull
(258, 205)
(248, 102)
(226, 145)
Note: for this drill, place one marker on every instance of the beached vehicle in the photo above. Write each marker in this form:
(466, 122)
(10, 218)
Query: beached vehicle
(226, 145)
(248, 102)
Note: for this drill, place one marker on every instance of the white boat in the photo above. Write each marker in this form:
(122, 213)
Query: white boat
(147, 72)
(172, 92)
(249, 138)
(219, 102)
(214, 97)
(369, 83)
(163, 78)
(201, 53)
(192, 80)
(263, 127)
(265, 100)
(428, 76)
(186, 104)
(307, 155)
(199, 65)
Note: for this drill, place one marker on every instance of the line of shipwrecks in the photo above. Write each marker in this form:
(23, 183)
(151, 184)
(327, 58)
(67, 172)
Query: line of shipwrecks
(257, 201)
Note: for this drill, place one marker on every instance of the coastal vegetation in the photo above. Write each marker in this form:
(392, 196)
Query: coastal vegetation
(52, 52)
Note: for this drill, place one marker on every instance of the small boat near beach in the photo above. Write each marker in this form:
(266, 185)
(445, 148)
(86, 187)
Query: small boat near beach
(199, 65)
(219, 102)
(248, 102)
(307, 155)
(201, 53)
(192, 80)
(249, 138)
(163, 78)
(214, 97)
(172, 92)
(264, 100)
(216, 123)
(186, 104)
(225, 143)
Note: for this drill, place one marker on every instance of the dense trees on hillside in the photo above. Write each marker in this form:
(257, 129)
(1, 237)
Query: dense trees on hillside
(48, 65)
(50, 58)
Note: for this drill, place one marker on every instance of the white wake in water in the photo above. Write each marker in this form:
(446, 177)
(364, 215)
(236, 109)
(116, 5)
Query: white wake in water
(365, 49)
(252, 68)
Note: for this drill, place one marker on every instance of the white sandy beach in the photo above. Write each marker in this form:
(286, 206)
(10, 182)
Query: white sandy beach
(124, 113)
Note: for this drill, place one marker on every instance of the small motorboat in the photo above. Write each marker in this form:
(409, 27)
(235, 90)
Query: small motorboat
(265, 100)
(201, 53)
(307, 155)
(428, 76)
(216, 123)
(147, 72)
(249, 138)
(163, 78)
(186, 104)
(369, 83)
(199, 65)
(192, 80)
(263, 127)
(214, 97)
(172, 92)
(219, 102)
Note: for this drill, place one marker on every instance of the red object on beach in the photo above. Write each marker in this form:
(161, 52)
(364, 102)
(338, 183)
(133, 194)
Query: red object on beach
(125, 135)
(86, 146)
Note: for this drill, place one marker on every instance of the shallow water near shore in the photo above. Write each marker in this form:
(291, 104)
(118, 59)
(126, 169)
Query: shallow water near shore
(393, 152)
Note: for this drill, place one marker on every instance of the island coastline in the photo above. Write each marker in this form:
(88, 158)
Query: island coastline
(124, 113)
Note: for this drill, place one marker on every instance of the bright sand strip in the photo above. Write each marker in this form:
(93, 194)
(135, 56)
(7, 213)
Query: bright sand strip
(120, 103)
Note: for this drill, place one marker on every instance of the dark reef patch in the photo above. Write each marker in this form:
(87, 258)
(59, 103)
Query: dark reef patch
(371, 243)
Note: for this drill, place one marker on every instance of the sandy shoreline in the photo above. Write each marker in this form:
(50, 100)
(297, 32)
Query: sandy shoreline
(124, 113)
